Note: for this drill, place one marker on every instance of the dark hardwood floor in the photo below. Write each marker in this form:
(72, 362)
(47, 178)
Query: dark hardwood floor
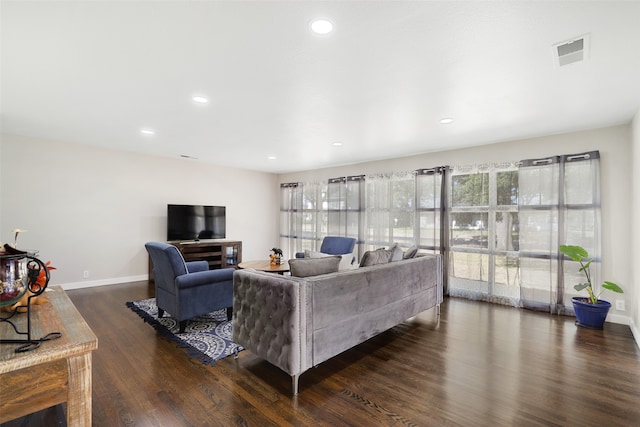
(477, 365)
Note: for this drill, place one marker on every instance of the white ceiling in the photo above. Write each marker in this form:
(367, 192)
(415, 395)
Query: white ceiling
(97, 72)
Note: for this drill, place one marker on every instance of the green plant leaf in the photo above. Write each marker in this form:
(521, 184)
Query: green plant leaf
(576, 253)
(586, 266)
(581, 286)
(612, 287)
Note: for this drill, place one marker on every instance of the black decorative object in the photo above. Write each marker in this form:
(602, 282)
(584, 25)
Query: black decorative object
(276, 256)
(21, 273)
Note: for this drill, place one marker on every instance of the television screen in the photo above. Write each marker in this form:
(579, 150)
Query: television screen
(195, 222)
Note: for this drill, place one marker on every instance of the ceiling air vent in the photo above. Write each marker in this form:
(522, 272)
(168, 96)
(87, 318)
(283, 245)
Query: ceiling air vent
(571, 51)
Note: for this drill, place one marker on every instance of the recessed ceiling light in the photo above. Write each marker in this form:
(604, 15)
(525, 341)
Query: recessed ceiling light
(446, 121)
(272, 158)
(337, 144)
(321, 26)
(199, 99)
(147, 132)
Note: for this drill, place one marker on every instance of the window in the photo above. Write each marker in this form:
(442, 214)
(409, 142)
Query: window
(498, 226)
(483, 260)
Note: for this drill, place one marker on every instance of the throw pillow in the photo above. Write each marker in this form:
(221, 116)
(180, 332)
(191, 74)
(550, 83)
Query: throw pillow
(314, 254)
(379, 256)
(345, 262)
(305, 267)
(410, 253)
(396, 252)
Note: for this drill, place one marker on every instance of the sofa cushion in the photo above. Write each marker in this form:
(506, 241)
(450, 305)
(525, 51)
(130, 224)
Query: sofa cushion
(410, 253)
(345, 261)
(305, 267)
(396, 252)
(379, 256)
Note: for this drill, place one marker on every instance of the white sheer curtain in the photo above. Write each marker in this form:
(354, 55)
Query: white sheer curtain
(431, 220)
(559, 203)
(432, 224)
(346, 209)
(498, 226)
(407, 208)
(290, 217)
(390, 210)
(303, 216)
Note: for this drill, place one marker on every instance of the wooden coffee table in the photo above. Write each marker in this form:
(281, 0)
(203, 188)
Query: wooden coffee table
(58, 371)
(265, 265)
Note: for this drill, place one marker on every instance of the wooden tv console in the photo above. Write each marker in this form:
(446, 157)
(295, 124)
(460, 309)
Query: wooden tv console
(218, 253)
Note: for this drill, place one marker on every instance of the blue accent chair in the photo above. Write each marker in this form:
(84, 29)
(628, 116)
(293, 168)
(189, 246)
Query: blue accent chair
(335, 245)
(188, 289)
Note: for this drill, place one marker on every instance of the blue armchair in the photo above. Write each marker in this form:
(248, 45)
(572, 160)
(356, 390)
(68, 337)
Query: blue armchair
(188, 289)
(335, 245)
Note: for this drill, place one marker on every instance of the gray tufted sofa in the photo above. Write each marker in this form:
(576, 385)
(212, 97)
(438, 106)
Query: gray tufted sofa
(296, 323)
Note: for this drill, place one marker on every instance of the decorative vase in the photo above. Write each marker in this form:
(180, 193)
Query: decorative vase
(590, 315)
(13, 278)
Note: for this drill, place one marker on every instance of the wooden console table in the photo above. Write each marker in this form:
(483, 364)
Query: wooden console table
(219, 253)
(58, 371)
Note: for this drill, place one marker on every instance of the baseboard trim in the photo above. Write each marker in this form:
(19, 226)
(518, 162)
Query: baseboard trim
(635, 333)
(103, 282)
(618, 318)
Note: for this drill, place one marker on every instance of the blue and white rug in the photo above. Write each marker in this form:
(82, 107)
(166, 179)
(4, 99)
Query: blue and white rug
(207, 338)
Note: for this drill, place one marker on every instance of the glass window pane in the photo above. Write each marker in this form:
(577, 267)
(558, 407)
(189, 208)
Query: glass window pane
(538, 231)
(429, 187)
(353, 196)
(507, 273)
(470, 266)
(507, 188)
(353, 224)
(430, 229)
(581, 228)
(579, 183)
(470, 190)
(469, 229)
(507, 230)
(538, 278)
(538, 186)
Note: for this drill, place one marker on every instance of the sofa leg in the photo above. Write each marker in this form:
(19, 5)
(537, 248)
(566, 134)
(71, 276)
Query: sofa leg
(183, 325)
(438, 310)
(295, 379)
(229, 313)
(160, 313)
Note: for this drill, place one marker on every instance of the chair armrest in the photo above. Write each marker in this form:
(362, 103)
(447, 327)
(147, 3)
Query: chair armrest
(208, 277)
(195, 266)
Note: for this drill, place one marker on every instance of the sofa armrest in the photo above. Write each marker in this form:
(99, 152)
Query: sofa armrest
(201, 278)
(195, 266)
(270, 318)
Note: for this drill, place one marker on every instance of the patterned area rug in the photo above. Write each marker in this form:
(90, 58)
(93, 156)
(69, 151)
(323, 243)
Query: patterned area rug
(207, 338)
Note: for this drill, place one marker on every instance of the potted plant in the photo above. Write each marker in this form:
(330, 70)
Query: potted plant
(591, 311)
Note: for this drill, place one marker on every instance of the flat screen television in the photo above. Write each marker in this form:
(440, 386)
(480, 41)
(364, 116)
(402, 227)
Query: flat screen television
(195, 222)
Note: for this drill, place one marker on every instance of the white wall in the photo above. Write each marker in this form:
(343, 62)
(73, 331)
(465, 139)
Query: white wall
(614, 144)
(635, 235)
(93, 209)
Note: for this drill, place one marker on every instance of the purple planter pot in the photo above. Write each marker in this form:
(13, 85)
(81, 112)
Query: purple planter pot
(590, 315)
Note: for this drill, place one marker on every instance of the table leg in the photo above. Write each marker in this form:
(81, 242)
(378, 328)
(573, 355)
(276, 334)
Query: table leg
(79, 390)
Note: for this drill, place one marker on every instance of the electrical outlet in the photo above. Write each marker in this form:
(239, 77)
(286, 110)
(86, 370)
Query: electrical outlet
(85, 275)
(620, 304)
